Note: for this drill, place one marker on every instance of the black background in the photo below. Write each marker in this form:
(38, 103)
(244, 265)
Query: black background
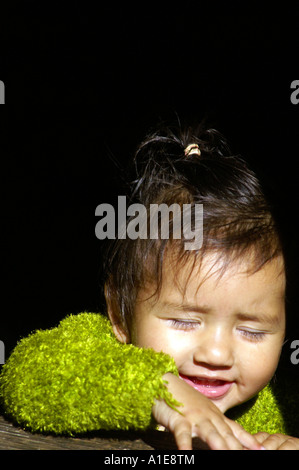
(83, 85)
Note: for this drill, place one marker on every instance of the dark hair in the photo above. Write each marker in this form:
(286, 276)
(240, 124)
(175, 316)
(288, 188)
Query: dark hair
(237, 221)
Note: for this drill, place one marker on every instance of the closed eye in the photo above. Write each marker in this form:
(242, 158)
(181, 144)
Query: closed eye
(253, 335)
(182, 324)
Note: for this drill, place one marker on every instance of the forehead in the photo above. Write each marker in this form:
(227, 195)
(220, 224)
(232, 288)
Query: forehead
(212, 280)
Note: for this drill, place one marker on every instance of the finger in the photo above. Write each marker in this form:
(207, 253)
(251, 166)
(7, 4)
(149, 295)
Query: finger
(261, 436)
(207, 432)
(291, 443)
(223, 441)
(218, 437)
(183, 434)
(278, 441)
(249, 441)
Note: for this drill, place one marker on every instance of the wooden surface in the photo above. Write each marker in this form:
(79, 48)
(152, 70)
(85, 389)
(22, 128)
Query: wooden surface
(15, 438)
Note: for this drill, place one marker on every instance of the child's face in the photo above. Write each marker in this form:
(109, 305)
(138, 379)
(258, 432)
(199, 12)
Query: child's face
(225, 336)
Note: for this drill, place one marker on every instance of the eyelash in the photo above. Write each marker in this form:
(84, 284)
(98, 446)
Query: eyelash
(191, 325)
(182, 324)
(253, 335)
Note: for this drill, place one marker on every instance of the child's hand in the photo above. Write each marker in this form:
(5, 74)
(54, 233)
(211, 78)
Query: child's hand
(277, 441)
(200, 417)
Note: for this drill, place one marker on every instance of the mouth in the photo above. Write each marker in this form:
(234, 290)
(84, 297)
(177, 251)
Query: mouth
(211, 388)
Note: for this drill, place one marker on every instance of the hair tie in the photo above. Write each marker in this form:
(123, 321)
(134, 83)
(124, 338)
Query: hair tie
(192, 148)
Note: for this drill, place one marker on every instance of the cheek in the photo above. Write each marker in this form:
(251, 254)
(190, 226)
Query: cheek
(178, 346)
(152, 333)
(259, 364)
(146, 333)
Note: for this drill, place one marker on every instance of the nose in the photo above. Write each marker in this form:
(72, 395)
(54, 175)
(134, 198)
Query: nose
(215, 349)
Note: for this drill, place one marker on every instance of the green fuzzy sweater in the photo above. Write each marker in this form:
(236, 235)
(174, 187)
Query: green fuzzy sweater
(77, 378)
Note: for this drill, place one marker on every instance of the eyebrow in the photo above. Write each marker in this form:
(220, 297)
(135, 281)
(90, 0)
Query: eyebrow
(260, 317)
(186, 307)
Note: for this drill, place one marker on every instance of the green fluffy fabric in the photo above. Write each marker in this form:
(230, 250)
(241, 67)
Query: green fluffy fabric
(77, 378)
(262, 413)
(274, 410)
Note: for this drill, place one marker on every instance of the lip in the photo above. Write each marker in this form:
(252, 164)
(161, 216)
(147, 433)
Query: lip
(213, 388)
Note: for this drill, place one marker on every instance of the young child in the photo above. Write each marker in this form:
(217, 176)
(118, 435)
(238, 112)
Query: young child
(194, 334)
